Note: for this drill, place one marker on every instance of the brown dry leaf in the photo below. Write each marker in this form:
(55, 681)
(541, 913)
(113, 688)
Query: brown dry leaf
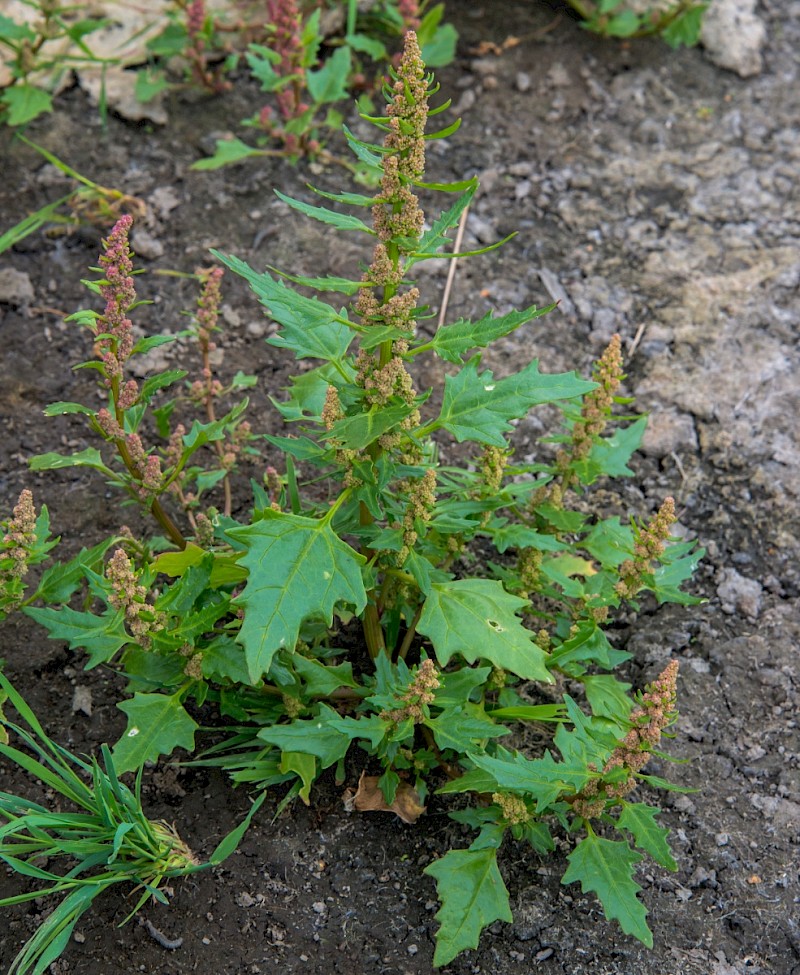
(489, 47)
(369, 798)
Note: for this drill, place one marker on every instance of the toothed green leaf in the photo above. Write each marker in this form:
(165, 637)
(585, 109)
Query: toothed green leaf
(606, 867)
(157, 725)
(477, 619)
(478, 407)
(452, 341)
(299, 569)
(473, 896)
(310, 328)
(640, 820)
(342, 221)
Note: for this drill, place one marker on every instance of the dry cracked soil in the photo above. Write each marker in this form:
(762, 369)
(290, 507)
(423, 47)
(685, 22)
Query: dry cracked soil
(654, 195)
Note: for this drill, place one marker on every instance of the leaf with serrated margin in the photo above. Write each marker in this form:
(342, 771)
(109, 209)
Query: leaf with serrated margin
(610, 455)
(435, 238)
(478, 407)
(459, 728)
(342, 221)
(323, 680)
(157, 725)
(353, 199)
(520, 536)
(673, 571)
(605, 867)
(608, 697)
(61, 579)
(90, 457)
(473, 896)
(344, 286)
(542, 778)
(451, 341)
(299, 569)
(610, 542)
(309, 327)
(639, 819)
(100, 636)
(476, 618)
(359, 431)
(310, 736)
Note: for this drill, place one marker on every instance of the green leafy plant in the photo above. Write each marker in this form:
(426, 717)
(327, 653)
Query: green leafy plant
(39, 52)
(678, 22)
(376, 595)
(88, 203)
(306, 89)
(108, 840)
(200, 41)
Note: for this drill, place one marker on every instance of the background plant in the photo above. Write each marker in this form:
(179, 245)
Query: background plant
(88, 203)
(376, 595)
(678, 22)
(109, 840)
(288, 65)
(35, 57)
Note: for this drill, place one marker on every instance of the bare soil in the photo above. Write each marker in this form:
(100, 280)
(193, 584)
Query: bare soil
(655, 195)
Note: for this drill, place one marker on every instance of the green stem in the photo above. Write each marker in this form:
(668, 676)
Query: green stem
(411, 632)
(373, 632)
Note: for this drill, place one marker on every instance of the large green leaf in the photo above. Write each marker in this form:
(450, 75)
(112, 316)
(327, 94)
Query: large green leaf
(310, 736)
(461, 727)
(473, 896)
(100, 636)
(476, 406)
(640, 820)
(605, 867)
(452, 341)
(359, 431)
(157, 725)
(676, 568)
(610, 542)
(298, 569)
(542, 778)
(61, 579)
(321, 680)
(608, 697)
(476, 618)
(310, 328)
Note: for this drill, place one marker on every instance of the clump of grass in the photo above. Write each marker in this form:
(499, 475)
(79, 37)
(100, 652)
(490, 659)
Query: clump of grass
(108, 840)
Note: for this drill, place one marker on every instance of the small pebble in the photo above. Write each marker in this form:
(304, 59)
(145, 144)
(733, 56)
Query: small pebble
(523, 81)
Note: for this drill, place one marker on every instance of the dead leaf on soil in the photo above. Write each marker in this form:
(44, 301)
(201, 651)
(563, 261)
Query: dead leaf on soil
(490, 47)
(369, 798)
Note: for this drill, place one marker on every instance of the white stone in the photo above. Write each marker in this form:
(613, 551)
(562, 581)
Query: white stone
(738, 593)
(733, 36)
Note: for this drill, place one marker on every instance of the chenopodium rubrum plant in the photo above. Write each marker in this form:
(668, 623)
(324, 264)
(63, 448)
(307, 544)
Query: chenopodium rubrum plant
(477, 589)
(455, 654)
